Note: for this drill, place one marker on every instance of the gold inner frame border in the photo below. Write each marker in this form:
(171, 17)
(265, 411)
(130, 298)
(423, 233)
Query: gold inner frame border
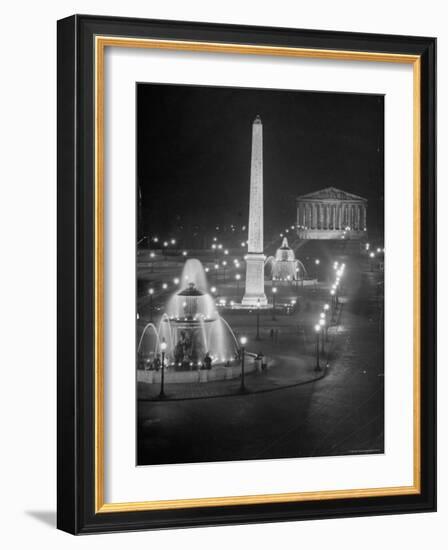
(100, 44)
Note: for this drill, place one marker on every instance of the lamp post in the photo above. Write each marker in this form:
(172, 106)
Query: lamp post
(243, 341)
(162, 379)
(326, 308)
(258, 320)
(152, 256)
(371, 256)
(317, 262)
(274, 292)
(150, 292)
(317, 330)
(332, 292)
(238, 277)
(224, 265)
(322, 325)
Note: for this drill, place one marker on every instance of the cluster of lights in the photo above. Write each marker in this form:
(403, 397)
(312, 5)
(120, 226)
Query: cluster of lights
(196, 317)
(288, 229)
(214, 359)
(372, 253)
(339, 269)
(218, 246)
(322, 321)
(176, 282)
(166, 244)
(287, 278)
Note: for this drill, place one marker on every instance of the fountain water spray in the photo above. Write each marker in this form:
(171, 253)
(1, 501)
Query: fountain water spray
(191, 324)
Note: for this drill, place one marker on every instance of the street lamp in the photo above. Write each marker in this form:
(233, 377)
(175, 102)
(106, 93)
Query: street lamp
(317, 262)
(332, 292)
(258, 320)
(317, 330)
(243, 341)
(322, 325)
(150, 292)
(238, 277)
(162, 379)
(326, 308)
(152, 256)
(274, 292)
(224, 264)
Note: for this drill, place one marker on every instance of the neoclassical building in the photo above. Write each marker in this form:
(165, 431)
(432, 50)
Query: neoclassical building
(331, 214)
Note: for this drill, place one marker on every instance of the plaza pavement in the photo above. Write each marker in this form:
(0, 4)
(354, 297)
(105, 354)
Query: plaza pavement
(340, 413)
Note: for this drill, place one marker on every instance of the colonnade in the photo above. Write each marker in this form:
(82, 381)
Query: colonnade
(332, 216)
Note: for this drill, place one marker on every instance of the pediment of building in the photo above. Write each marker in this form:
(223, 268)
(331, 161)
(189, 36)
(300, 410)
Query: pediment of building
(330, 193)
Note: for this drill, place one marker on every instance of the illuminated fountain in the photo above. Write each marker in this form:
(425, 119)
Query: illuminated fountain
(285, 266)
(191, 325)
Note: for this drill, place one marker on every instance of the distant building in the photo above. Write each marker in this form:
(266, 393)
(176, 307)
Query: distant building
(331, 214)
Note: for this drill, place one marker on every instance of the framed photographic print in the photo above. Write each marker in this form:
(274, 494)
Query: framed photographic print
(246, 274)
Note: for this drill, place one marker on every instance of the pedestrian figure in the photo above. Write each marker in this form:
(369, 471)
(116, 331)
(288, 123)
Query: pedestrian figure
(157, 362)
(207, 361)
(272, 334)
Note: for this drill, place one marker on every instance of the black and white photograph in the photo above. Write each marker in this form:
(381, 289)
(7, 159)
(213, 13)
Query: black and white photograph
(260, 274)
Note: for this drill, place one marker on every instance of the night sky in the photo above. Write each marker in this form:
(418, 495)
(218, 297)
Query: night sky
(194, 149)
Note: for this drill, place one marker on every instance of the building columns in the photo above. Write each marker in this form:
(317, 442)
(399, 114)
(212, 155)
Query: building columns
(331, 215)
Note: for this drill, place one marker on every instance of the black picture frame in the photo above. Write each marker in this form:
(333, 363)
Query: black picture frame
(76, 285)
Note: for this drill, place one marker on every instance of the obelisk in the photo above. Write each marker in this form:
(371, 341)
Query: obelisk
(254, 293)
